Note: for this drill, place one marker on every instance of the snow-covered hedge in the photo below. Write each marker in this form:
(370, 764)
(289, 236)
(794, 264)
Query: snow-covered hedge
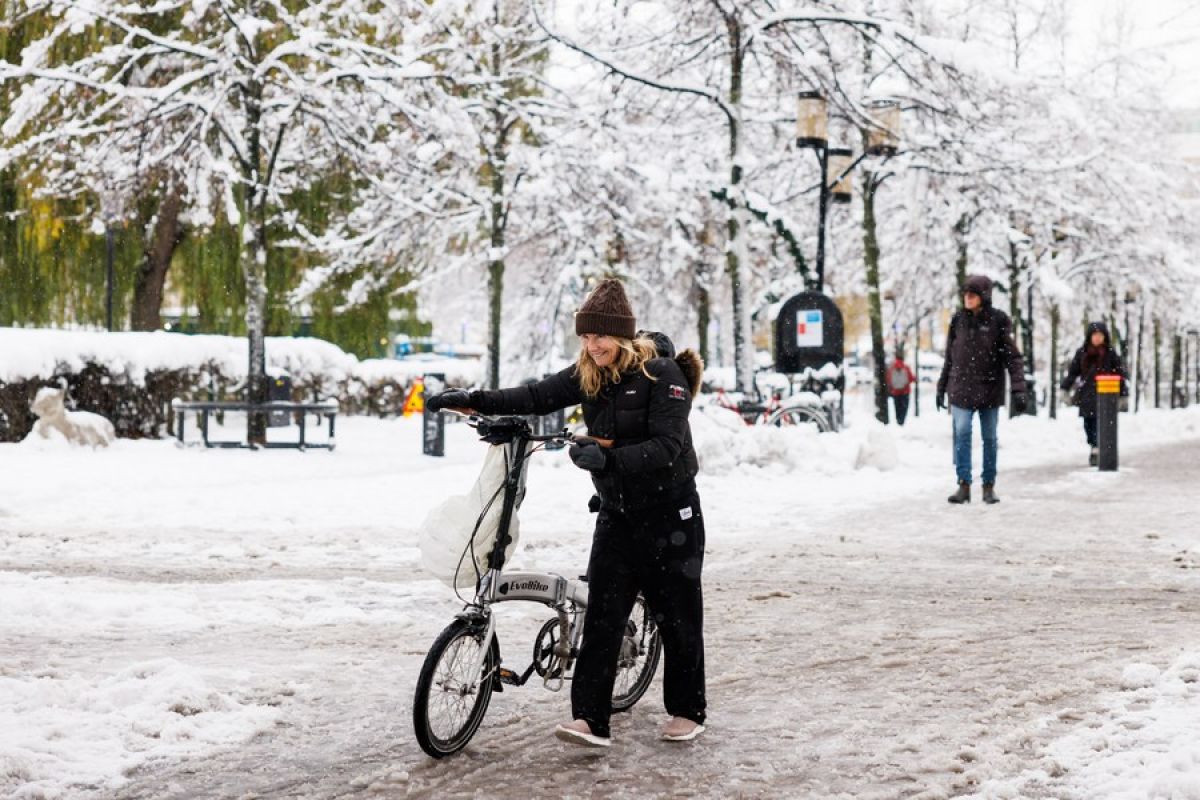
(131, 378)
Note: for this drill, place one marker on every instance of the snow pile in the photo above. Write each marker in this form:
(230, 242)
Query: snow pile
(1142, 746)
(1140, 676)
(724, 442)
(879, 450)
(61, 730)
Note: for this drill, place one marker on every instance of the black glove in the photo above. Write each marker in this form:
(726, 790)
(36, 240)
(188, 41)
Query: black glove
(1019, 402)
(940, 400)
(588, 455)
(451, 398)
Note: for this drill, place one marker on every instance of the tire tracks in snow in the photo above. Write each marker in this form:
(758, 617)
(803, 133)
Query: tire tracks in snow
(906, 649)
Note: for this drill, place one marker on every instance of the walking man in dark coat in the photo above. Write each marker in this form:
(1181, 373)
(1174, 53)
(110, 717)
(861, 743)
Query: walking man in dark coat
(979, 348)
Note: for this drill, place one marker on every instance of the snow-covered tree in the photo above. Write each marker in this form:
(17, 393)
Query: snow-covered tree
(234, 105)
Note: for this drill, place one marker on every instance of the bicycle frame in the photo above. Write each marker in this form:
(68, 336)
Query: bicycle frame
(563, 596)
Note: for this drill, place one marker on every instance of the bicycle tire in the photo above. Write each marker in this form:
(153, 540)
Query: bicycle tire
(455, 648)
(801, 415)
(641, 649)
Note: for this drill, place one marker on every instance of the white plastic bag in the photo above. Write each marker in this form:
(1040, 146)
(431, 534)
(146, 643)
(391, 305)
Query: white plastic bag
(446, 533)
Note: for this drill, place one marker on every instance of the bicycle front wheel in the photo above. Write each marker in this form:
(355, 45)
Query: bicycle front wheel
(452, 697)
(641, 648)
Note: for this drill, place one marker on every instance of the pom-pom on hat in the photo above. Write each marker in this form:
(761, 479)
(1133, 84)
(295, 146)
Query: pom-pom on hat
(606, 311)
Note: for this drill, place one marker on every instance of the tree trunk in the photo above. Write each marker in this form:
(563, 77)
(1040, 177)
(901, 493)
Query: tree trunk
(917, 371)
(254, 262)
(874, 307)
(495, 270)
(735, 250)
(497, 161)
(163, 237)
(1157, 363)
(1177, 398)
(1053, 387)
(1137, 359)
(961, 228)
(702, 318)
(1014, 290)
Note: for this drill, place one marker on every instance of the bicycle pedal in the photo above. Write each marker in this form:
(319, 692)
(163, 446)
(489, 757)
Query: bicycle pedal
(508, 676)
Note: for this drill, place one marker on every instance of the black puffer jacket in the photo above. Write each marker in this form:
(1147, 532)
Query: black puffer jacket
(979, 349)
(652, 460)
(1084, 369)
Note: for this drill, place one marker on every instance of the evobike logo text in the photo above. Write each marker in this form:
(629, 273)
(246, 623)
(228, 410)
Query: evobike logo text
(524, 586)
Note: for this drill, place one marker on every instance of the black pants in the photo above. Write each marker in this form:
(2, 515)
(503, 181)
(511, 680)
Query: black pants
(1089, 429)
(901, 407)
(658, 551)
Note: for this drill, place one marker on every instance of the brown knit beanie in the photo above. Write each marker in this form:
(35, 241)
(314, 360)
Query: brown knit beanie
(606, 311)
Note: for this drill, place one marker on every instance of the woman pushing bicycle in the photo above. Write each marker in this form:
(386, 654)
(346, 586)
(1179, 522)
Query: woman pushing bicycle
(649, 533)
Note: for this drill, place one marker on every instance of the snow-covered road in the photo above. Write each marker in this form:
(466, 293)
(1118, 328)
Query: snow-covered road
(865, 639)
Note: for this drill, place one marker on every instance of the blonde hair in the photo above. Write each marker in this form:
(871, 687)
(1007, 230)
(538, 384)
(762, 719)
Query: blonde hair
(631, 354)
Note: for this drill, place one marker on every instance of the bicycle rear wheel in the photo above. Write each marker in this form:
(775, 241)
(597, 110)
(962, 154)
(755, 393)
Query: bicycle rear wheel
(641, 647)
(801, 415)
(447, 708)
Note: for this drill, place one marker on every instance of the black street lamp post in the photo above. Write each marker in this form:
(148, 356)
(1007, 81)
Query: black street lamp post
(837, 163)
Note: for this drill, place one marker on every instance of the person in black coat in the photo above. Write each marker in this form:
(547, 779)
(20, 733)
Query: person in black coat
(649, 533)
(1095, 357)
(979, 350)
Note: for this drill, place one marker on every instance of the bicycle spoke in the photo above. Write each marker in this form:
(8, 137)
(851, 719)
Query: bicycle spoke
(451, 703)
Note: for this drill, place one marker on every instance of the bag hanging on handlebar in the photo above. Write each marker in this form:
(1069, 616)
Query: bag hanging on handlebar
(446, 535)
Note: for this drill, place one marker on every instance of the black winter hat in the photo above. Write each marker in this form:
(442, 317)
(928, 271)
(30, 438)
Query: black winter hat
(607, 312)
(980, 285)
(1093, 327)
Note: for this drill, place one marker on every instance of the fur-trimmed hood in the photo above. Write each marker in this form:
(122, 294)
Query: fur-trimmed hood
(693, 369)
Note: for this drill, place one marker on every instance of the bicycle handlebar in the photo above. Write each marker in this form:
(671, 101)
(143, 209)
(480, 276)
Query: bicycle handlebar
(501, 430)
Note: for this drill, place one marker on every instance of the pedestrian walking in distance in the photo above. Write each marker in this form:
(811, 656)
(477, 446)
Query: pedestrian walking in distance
(1095, 357)
(900, 382)
(979, 350)
(649, 534)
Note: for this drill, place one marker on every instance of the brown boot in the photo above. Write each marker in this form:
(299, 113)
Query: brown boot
(963, 495)
(989, 494)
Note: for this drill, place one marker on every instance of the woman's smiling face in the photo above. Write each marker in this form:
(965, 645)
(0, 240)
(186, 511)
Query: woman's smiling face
(602, 349)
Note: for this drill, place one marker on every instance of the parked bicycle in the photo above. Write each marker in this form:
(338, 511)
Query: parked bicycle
(464, 666)
(803, 408)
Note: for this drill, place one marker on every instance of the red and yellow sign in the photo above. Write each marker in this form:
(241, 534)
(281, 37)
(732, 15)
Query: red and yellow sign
(1108, 384)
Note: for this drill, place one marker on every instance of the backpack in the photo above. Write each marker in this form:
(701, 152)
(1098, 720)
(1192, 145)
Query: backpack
(898, 379)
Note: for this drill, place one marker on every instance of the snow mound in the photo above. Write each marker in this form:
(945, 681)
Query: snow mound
(878, 451)
(1139, 676)
(724, 443)
(1142, 749)
(63, 731)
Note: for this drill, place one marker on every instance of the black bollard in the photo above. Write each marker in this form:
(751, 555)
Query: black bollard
(1108, 399)
(433, 424)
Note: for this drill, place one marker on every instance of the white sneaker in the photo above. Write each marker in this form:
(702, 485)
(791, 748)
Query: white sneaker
(580, 732)
(681, 729)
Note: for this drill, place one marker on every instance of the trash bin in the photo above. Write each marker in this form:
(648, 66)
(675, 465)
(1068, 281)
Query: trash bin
(279, 390)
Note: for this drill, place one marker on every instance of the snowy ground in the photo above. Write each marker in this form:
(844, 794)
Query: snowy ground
(188, 623)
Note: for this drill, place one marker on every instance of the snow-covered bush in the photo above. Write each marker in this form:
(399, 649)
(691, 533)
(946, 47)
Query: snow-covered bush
(131, 378)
